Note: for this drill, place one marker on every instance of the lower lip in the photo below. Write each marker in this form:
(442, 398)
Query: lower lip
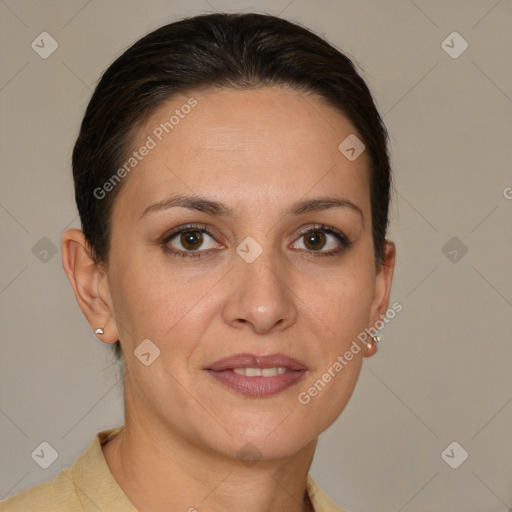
(258, 386)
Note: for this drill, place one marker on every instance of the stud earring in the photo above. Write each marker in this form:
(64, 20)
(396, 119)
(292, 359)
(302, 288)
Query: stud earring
(373, 345)
(99, 330)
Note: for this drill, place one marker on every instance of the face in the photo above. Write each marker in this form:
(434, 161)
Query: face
(259, 267)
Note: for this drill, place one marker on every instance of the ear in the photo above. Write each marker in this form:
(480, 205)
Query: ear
(382, 294)
(90, 285)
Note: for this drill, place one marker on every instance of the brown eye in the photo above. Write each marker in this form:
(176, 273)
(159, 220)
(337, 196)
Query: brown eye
(324, 240)
(315, 240)
(191, 240)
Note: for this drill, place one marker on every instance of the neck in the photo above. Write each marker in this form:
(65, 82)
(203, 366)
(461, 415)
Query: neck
(159, 469)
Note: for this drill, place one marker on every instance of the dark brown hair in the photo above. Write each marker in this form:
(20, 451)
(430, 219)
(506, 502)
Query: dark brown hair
(244, 51)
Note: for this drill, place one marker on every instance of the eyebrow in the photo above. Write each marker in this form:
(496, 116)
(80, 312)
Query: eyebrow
(216, 208)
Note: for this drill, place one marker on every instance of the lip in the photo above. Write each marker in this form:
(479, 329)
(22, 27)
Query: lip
(222, 371)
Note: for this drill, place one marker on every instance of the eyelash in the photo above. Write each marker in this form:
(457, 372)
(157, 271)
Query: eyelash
(343, 239)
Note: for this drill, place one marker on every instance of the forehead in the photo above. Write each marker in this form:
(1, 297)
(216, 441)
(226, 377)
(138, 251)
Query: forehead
(251, 144)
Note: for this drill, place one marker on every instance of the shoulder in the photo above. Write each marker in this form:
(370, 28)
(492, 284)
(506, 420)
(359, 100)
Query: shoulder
(320, 501)
(87, 485)
(57, 495)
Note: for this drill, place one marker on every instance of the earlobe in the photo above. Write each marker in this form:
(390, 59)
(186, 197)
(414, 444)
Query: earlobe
(89, 282)
(382, 294)
(383, 283)
(371, 346)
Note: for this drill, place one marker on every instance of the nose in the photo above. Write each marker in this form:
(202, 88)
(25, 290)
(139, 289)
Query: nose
(260, 295)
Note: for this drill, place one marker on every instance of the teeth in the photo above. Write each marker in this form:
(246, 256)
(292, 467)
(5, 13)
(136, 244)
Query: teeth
(270, 372)
(252, 372)
(260, 372)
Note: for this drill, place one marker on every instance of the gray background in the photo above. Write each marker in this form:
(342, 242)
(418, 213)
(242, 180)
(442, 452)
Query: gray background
(442, 373)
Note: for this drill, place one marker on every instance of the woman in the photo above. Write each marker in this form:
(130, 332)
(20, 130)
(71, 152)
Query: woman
(233, 182)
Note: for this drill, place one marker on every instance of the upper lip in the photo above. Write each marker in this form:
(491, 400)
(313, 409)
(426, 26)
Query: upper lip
(247, 360)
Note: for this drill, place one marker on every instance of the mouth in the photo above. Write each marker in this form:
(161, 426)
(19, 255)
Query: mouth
(257, 376)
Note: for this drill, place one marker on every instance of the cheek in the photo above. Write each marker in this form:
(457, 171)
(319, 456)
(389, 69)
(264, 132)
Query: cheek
(157, 300)
(345, 300)
(327, 396)
(143, 298)
(343, 305)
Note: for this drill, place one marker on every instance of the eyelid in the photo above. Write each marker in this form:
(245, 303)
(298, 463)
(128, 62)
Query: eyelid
(204, 228)
(343, 239)
(168, 236)
(321, 227)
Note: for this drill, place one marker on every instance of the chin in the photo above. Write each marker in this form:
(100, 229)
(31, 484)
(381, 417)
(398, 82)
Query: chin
(265, 438)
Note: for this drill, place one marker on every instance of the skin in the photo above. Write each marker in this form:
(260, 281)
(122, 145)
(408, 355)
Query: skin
(259, 152)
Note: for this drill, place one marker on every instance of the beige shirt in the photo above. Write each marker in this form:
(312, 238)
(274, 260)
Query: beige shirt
(89, 486)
